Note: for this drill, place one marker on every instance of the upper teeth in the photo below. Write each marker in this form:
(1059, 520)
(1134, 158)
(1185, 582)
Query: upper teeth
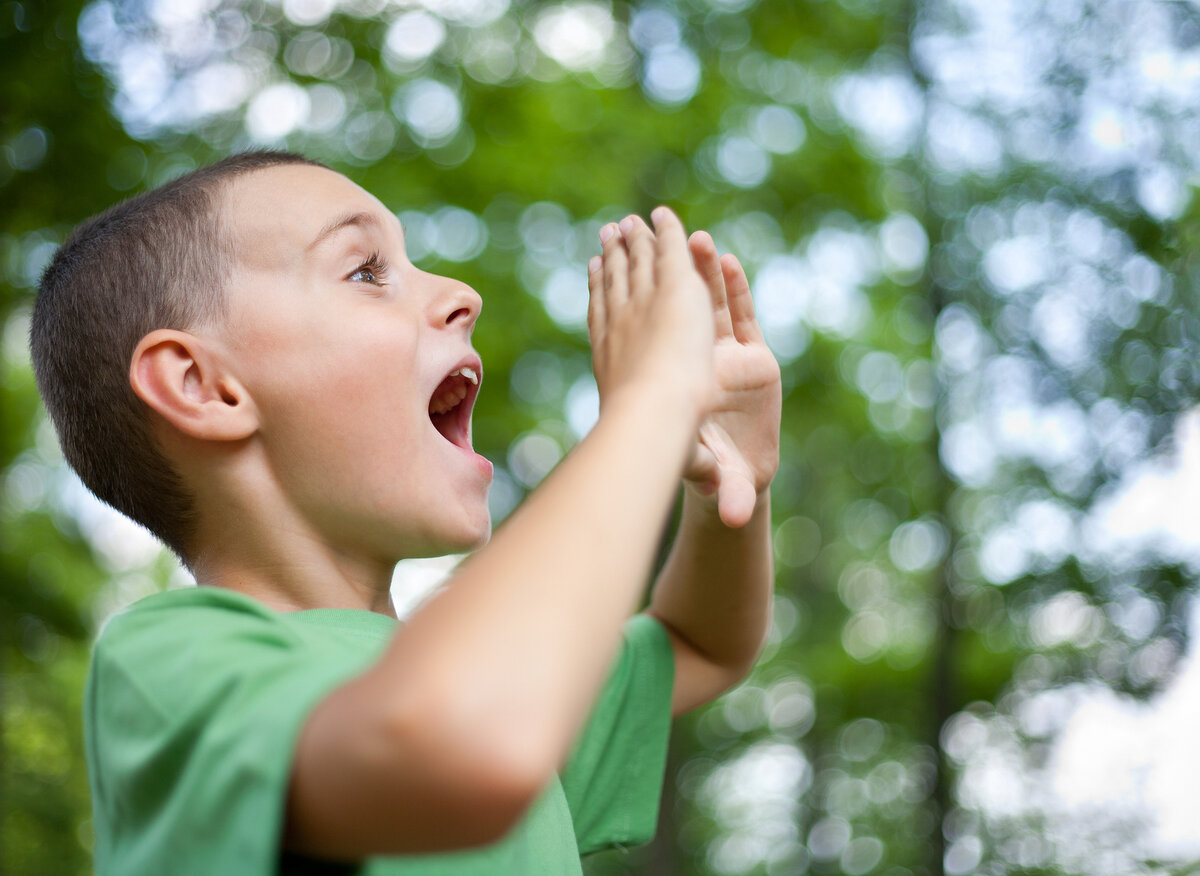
(467, 372)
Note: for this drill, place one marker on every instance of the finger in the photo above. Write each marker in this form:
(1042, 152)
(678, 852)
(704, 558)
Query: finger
(736, 494)
(703, 470)
(597, 315)
(736, 498)
(741, 302)
(635, 221)
(670, 239)
(704, 256)
(639, 241)
(615, 269)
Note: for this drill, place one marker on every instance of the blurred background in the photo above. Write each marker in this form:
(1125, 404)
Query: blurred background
(971, 233)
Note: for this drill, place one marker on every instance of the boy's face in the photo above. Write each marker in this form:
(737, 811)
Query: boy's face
(360, 367)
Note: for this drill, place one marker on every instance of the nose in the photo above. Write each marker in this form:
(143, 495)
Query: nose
(456, 304)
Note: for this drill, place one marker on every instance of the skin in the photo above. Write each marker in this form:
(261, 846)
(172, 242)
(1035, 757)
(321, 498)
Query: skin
(713, 594)
(301, 423)
(324, 373)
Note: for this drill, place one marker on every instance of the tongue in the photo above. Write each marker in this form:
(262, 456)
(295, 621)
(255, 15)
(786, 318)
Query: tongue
(446, 424)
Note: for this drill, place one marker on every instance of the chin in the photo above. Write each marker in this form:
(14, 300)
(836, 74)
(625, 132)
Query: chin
(470, 538)
(483, 538)
(478, 538)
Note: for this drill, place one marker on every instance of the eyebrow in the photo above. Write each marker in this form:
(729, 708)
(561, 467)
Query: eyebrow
(358, 219)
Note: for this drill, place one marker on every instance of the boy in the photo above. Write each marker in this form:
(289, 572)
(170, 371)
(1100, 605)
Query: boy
(245, 362)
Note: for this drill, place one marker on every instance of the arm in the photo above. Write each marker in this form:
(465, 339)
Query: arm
(714, 598)
(453, 733)
(714, 592)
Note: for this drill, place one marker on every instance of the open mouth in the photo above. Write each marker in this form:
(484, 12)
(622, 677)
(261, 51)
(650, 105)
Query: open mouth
(451, 404)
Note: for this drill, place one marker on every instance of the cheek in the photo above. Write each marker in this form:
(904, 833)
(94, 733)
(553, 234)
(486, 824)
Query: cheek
(339, 366)
(335, 389)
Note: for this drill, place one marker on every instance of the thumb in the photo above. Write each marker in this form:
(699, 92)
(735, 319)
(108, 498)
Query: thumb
(736, 498)
(703, 470)
(736, 495)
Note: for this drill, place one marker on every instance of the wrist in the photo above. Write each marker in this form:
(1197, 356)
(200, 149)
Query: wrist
(659, 405)
(653, 431)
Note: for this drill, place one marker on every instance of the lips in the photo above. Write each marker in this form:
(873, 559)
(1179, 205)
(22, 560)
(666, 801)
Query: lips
(452, 401)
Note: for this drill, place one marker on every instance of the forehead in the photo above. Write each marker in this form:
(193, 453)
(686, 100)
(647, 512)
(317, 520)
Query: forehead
(276, 211)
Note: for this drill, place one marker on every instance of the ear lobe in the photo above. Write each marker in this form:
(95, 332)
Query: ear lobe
(182, 379)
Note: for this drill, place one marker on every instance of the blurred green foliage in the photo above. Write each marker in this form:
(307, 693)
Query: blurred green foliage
(978, 279)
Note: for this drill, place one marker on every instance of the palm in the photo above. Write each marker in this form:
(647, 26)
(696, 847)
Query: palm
(737, 450)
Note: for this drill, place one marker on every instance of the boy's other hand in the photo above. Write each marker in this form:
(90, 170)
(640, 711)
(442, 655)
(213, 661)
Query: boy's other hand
(737, 451)
(649, 318)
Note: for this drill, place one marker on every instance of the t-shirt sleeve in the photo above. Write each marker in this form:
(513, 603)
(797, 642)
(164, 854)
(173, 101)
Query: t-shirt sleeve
(613, 779)
(193, 714)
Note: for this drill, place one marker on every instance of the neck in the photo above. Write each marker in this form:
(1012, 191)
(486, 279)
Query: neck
(252, 540)
(304, 579)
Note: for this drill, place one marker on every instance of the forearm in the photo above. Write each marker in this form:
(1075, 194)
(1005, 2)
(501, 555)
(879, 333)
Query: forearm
(481, 693)
(714, 593)
(528, 627)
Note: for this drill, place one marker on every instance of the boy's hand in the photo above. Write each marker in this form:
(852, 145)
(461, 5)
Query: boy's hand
(648, 316)
(737, 452)
(737, 448)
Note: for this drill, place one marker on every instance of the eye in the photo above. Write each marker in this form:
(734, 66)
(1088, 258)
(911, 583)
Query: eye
(373, 270)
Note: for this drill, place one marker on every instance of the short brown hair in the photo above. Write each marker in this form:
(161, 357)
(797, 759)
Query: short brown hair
(158, 260)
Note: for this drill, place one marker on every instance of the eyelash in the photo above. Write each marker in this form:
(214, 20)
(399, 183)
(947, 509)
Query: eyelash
(374, 263)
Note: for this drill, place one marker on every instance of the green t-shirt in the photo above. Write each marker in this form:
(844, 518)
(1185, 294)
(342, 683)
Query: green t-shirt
(194, 702)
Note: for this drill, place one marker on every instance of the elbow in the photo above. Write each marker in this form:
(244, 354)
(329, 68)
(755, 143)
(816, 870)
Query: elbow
(731, 668)
(741, 660)
(744, 662)
(488, 773)
(412, 773)
(734, 672)
(488, 810)
(756, 652)
(504, 787)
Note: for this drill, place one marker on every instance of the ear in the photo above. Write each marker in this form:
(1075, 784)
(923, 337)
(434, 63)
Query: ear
(182, 379)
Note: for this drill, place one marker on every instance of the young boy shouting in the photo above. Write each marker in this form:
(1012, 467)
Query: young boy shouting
(245, 362)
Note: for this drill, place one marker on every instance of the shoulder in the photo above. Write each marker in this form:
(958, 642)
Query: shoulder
(205, 649)
(194, 602)
(192, 612)
(184, 642)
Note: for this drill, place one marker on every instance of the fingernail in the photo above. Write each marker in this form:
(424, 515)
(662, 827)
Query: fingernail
(627, 225)
(606, 232)
(658, 214)
(594, 263)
